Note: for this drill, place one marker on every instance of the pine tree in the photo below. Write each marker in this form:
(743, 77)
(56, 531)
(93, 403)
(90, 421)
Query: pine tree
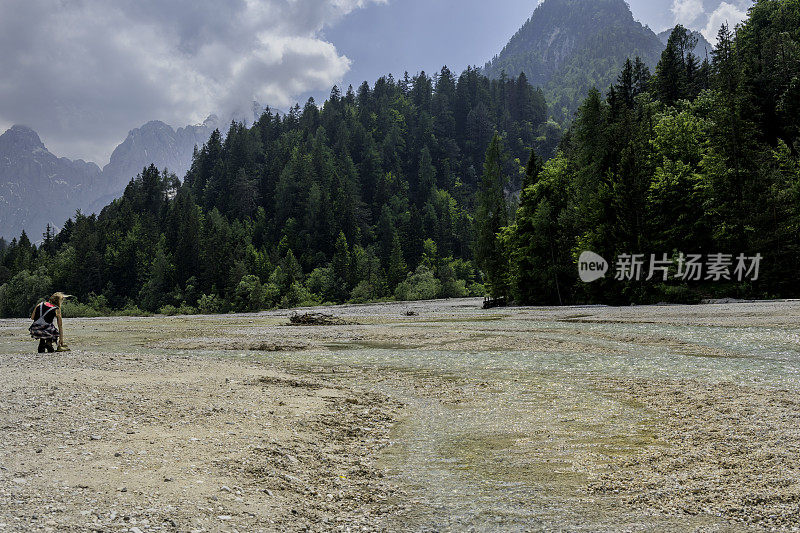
(625, 85)
(426, 180)
(733, 138)
(670, 79)
(490, 217)
(161, 280)
(183, 235)
(340, 286)
(396, 270)
(641, 77)
(244, 195)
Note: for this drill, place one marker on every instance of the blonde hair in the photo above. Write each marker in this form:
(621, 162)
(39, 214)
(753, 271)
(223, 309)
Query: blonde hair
(57, 298)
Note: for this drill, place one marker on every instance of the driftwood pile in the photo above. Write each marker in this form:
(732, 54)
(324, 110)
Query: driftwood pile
(316, 319)
(491, 303)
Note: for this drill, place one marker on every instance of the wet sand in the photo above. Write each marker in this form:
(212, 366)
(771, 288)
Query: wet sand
(243, 423)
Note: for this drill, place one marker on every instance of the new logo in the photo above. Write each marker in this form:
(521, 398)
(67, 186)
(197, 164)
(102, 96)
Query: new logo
(591, 267)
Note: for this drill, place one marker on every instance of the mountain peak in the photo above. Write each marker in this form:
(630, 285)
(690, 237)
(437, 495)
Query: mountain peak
(569, 46)
(21, 138)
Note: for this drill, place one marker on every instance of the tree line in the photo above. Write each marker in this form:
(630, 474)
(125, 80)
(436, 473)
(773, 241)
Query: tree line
(699, 158)
(446, 187)
(369, 196)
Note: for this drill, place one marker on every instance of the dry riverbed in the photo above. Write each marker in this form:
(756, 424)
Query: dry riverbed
(243, 423)
(179, 443)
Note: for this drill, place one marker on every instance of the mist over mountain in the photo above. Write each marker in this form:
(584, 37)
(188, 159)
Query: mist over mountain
(569, 46)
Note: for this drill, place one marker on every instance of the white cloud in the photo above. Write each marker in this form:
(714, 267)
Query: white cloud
(686, 12)
(725, 12)
(84, 72)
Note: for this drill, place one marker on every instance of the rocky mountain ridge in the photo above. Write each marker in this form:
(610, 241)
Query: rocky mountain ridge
(38, 188)
(567, 47)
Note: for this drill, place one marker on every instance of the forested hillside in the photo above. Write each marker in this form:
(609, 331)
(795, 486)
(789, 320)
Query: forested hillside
(568, 47)
(700, 159)
(369, 196)
(408, 190)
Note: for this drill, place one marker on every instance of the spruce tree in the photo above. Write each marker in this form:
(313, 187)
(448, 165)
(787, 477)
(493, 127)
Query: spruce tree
(490, 217)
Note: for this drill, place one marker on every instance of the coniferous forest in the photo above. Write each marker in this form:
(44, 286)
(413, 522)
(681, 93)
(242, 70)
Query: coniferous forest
(369, 196)
(447, 187)
(699, 158)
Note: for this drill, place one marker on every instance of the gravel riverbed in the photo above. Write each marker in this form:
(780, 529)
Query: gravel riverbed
(666, 417)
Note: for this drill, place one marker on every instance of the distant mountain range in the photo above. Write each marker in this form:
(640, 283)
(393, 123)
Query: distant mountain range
(566, 47)
(38, 188)
(569, 46)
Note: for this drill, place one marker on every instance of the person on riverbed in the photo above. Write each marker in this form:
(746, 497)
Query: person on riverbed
(43, 327)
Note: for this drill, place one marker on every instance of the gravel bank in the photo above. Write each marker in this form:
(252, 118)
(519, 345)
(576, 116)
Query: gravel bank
(176, 443)
(658, 417)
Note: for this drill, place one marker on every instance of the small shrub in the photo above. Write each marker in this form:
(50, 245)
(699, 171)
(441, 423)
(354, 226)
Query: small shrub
(454, 288)
(99, 303)
(679, 294)
(185, 309)
(272, 295)
(297, 296)
(249, 294)
(318, 280)
(476, 289)
(363, 292)
(72, 308)
(168, 310)
(22, 292)
(421, 285)
(209, 304)
(132, 310)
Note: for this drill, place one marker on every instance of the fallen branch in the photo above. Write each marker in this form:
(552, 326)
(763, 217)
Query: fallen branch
(316, 319)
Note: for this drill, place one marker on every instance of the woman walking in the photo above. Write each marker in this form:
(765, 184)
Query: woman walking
(43, 327)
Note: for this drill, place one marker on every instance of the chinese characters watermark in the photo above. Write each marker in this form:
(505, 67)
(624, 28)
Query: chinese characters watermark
(685, 267)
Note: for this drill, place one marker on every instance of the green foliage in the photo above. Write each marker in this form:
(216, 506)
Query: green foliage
(297, 296)
(96, 307)
(421, 285)
(535, 241)
(155, 291)
(332, 203)
(209, 304)
(249, 295)
(490, 217)
(75, 309)
(700, 159)
(21, 293)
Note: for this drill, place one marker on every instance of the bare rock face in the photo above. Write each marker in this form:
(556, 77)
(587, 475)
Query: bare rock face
(36, 187)
(156, 143)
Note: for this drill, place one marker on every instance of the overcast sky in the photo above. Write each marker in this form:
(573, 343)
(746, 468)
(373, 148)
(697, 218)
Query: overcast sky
(82, 73)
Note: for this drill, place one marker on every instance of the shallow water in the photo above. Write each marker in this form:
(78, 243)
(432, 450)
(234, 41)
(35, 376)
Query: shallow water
(509, 439)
